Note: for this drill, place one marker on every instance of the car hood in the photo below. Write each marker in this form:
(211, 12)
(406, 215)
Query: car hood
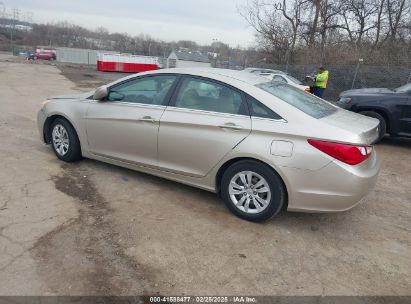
(74, 96)
(363, 128)
(367, 91)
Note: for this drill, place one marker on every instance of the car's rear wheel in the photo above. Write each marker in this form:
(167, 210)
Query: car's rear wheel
(252, 191)
(64, 140)
(382, 128)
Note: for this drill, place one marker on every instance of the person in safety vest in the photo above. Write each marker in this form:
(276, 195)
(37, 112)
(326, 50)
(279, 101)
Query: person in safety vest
(321, 79)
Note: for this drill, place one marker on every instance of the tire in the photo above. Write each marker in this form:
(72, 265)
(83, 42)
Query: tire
(236, 198)
(64, 141)
(382, 128)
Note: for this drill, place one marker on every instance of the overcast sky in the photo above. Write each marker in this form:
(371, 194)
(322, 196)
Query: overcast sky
(197, 20)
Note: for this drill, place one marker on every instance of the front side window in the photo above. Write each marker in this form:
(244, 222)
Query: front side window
(147, 90)
(295, 80)
(307, 103)
(201, 94)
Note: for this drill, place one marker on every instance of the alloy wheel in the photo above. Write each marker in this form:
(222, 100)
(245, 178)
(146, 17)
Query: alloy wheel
(249, 192)
(60, 139)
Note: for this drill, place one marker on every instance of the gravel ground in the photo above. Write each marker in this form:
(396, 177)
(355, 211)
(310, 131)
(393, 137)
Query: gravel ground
(90, 228)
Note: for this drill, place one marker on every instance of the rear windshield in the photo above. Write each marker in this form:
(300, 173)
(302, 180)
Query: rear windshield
(306, 102)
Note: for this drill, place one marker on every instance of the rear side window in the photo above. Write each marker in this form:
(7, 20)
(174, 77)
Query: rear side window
(201, 94)
(257, 109)
(305, 102)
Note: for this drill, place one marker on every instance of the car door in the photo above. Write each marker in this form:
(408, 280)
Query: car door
(204, 121)
(125, 125)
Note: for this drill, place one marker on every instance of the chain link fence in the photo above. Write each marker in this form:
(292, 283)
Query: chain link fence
(344, 77)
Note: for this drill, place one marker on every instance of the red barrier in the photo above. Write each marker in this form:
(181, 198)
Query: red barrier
(125, 67)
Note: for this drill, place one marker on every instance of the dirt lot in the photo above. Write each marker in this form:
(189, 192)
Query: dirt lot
(92, 228)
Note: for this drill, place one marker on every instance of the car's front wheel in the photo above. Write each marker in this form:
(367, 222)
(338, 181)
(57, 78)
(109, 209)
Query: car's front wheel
(64, 140)
(252, 191)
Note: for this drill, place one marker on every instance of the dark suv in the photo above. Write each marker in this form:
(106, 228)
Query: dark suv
(392, 107)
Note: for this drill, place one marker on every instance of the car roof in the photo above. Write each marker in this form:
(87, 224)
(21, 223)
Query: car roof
(263, 70)
(213, 73)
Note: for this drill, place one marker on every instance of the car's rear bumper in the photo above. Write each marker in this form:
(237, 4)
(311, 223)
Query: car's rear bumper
(335, 187)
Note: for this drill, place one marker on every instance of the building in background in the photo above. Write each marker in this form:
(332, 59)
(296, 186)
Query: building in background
(187, 59)
(80, 56)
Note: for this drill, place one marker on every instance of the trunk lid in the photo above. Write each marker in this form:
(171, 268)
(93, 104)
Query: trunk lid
(365, 128)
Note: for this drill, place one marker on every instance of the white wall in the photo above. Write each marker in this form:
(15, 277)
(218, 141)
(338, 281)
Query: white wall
(72, 55)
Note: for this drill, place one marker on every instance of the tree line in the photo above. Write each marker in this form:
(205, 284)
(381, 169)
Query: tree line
(287, 32)
(331, 31)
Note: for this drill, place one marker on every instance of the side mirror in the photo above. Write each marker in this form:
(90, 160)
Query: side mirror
(100, 93)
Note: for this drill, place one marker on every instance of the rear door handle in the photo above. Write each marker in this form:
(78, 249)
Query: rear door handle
(231, 126)
(148, 119)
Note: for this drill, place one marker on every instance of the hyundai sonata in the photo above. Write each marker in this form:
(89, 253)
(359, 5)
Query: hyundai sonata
(262, 146)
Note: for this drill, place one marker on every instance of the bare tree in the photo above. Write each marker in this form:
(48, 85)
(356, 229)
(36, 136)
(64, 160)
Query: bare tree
(292, 13)
(395, 10)
(358, 18)
(313, 27)
(379, 20)
(278, 23)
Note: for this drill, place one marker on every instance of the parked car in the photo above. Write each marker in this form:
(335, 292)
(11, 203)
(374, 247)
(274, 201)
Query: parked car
(287, 79)
(262, 146)
(259, 71)
(392, 107)
(30, 56)
(45, 55)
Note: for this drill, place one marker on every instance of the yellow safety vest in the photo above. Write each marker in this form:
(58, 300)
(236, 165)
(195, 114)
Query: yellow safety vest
(321, 80)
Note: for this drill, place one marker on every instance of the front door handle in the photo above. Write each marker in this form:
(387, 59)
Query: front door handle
(231, 126)
(148, 119)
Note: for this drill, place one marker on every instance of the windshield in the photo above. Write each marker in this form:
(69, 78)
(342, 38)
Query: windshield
(295, 80)
(305, 102)
(404, 88)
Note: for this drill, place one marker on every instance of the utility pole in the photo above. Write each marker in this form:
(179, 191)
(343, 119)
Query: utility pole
(14, 18)
(2, 9)
(214, 51)
(356, 72)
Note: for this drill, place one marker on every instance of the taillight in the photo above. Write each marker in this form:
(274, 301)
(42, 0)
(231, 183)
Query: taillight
(349, 154)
